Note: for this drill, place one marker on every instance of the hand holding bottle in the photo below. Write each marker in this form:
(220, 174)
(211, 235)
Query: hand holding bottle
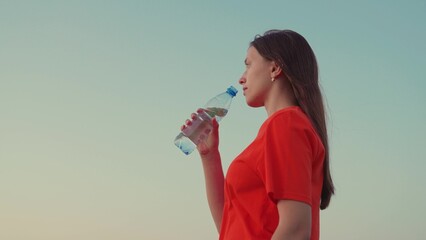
(211, 143)
(197, 130)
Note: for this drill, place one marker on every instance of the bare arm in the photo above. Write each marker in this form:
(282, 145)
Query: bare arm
(294, 221)
(213, 171)
(213, 174)
(214, 178)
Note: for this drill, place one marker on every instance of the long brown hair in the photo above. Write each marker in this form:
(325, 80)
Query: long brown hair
(297, 60)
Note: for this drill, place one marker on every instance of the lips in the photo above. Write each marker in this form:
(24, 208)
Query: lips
(244, 90)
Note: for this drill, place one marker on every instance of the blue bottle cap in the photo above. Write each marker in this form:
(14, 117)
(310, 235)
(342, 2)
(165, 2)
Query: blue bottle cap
(232, 91)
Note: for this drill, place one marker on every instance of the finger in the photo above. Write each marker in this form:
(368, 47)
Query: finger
(188, 122)
(215, 124)
(182, 127)
(193, 116)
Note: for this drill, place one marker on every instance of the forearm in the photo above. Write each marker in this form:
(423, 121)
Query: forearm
(294, 221)
(284, 234)
(214, 179)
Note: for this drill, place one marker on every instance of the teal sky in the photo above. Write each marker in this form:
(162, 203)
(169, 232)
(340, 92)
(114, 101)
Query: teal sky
(92, 94)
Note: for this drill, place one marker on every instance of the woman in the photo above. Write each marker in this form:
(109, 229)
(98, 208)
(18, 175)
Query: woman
(276, 187)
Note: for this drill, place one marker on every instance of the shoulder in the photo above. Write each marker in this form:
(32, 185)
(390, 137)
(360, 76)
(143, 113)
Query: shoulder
(290, 126)
(287, 118)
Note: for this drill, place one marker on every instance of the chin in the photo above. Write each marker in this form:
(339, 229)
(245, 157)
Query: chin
(254, 104)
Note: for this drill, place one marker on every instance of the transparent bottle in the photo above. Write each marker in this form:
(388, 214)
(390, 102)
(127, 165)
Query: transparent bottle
(188, 139)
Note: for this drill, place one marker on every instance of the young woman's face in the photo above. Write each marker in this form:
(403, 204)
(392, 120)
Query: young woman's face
(256, 79)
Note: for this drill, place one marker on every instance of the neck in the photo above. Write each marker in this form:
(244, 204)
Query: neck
(280, 96)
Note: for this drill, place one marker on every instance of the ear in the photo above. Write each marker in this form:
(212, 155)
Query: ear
(275, 70)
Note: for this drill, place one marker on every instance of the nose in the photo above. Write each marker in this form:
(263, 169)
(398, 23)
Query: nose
(242, 80)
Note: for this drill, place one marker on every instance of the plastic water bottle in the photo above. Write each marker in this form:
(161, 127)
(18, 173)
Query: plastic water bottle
(201, 126)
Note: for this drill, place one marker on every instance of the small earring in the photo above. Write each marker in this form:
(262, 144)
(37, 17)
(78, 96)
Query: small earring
(272, 79)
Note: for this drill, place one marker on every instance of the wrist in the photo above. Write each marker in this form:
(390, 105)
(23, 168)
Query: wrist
(211, 157)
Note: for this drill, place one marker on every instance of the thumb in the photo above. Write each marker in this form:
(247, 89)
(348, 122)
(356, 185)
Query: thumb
(215, 130)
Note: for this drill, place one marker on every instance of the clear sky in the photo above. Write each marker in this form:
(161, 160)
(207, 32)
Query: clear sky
(92, 94)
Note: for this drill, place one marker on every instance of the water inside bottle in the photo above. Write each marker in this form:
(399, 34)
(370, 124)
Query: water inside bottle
(199, 130)
(184, 144)
(219, 113)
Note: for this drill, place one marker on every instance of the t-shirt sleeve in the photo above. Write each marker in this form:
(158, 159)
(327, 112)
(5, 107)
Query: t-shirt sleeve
(287, 166)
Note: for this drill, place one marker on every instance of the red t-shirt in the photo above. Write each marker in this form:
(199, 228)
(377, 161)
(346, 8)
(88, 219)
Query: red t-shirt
(285, 161)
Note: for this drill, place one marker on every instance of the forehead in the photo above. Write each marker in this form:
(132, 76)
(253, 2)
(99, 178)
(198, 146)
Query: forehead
(252, 52)
(254, 56)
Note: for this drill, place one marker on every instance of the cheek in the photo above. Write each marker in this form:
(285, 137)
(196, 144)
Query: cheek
(257, 80)
(257, 74)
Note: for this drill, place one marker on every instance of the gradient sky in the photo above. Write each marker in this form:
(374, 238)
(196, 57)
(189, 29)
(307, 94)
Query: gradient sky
(92, 94)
